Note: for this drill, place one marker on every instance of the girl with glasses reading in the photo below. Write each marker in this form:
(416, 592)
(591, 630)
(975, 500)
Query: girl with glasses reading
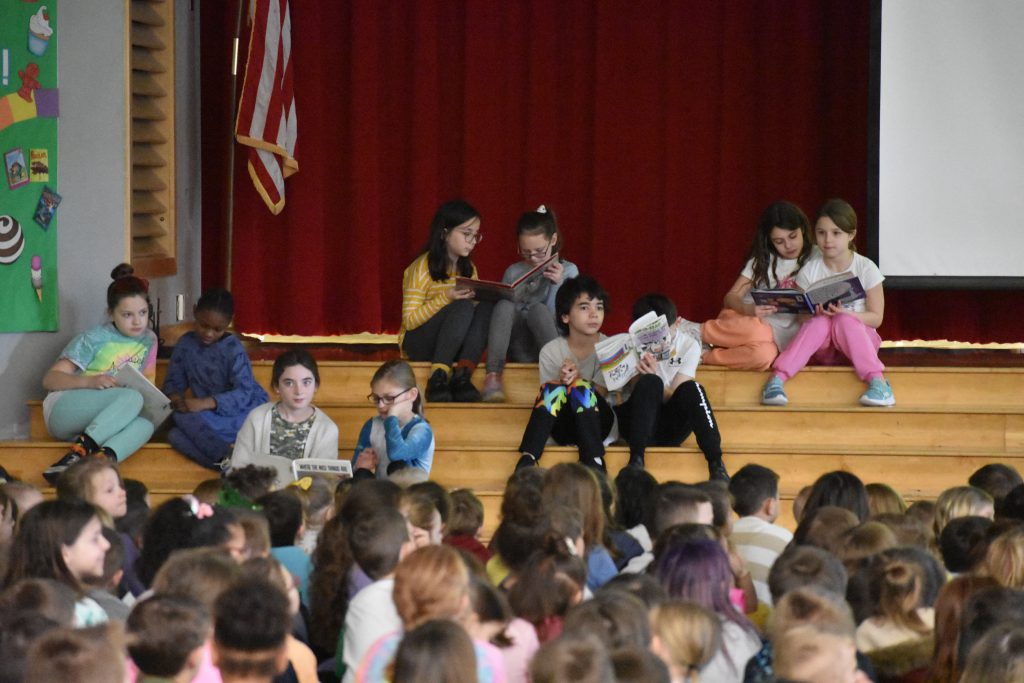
(441, 323)
(519, 329)
(398, 437)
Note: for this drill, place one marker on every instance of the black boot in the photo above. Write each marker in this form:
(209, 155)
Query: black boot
(636, 461)
(717, 471)
(462, 388)
(437, 388)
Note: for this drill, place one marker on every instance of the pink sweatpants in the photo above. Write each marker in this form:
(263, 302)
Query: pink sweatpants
(742, 342)
(834, 340)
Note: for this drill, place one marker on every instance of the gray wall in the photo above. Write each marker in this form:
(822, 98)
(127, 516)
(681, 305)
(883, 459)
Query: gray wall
(91, 237)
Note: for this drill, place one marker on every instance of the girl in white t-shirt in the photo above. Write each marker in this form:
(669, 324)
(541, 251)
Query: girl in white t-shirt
(749, 337)
(838, 333)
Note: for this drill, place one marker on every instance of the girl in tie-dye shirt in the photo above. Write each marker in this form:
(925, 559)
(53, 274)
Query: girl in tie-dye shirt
(85, 405)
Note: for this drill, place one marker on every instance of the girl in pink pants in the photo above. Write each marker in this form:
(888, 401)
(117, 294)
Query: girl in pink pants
(745, 336)
(838, 333)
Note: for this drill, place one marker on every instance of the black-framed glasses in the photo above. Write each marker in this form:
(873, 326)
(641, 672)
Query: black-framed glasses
(386, 400)
(536, 253)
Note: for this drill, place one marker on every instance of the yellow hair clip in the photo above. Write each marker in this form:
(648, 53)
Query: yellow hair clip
(303, 483)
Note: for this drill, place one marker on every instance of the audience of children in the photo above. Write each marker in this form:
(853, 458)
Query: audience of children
(519, 329)
(211, 364)
(85, 405)
(691, 616)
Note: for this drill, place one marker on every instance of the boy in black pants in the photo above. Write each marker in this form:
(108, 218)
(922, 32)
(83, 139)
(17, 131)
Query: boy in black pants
(664, 404)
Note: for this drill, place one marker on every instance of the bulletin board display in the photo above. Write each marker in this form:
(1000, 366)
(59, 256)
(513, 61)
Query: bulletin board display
(29, 195)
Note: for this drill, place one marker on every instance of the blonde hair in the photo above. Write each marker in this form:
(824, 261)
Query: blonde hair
(805, 653)
(884, 499)
(419, 509)
(1004, 560)
(825, 610)
(690, 635)
(900, 593)
(959, 501)
(431, 583)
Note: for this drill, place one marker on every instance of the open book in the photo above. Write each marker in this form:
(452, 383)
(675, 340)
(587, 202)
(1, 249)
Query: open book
(487, 290)
(156, 406)
(841, 289)
(619, 356)
(289, 470)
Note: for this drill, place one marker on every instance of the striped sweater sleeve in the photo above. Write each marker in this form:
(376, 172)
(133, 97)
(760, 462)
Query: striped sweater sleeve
(421, 296)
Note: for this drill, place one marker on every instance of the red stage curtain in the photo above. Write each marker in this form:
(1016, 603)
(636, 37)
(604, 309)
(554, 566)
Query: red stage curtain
(657, 130)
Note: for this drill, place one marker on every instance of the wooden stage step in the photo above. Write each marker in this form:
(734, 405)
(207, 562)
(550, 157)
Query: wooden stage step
(342, 381)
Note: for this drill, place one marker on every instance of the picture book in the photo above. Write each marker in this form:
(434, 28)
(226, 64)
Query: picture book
(842, 289)
(17, 169)
(39, 165)
(619, 356)
(487, 290)
(156, 406)
(46, 207)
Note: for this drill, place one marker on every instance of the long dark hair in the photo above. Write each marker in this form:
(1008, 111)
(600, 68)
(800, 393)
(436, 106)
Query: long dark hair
(45, 529)
(449, 216)
(787, 216)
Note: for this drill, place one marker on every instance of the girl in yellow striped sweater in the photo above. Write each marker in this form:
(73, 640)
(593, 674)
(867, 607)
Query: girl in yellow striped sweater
(441, 323)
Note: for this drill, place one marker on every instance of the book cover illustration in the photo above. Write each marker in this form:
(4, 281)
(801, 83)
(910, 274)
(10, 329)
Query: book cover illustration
(47, 206)
(17, 170)
(39, 165)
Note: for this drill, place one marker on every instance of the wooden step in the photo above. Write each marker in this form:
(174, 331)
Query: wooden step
(997, 428)
(821, 386)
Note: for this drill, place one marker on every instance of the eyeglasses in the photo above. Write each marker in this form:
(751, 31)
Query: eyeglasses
(535, 253)
(471, 237)
(386, 400)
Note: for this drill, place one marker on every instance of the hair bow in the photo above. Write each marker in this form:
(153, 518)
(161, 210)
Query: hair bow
(199, 509)
(303, 483)
(542, 209)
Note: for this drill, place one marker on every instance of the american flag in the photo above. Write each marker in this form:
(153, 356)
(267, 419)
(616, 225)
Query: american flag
(266, 113)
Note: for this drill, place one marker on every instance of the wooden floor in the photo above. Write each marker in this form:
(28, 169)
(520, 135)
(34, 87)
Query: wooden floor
(948, 421)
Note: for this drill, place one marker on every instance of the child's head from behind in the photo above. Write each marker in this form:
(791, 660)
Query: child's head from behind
(467, 514)
(454, 233)
(201, 574)
(251, 626)
(675, 503)
(394, 391)
(177, 524)
(83, 655)
(805, 565)
(58, 539)
(431, 583)
(618, 618)
(572, 660)
(839, 489)
(900, 588)
(538, 235)
(213, 313)
(283, 510)
(961, 501)
(996, 479)
(128, 301)
(752, 486)
(379, 540)
(166, 635)
(575, 485)
(580, 306)
(685, 635)
(806, 653)
(884, 499)
(296, 378)
(436, 650)
(835, 228)
(1004, 558)
(964, 542)
(96, 481)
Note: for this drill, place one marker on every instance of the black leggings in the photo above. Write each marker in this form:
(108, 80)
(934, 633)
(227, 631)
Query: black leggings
(647, 420)
(575, 415)
(457, 331)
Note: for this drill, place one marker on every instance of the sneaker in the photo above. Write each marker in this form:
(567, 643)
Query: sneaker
(879, 393)
(53, 472)
(437, 388)
(595, 463)
(494, 390)
(773, 393)
(717, 471)
(462, 388)
(525, 460)
(636, 462)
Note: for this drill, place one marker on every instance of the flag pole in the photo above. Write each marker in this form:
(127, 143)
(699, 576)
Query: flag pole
(232, 113)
